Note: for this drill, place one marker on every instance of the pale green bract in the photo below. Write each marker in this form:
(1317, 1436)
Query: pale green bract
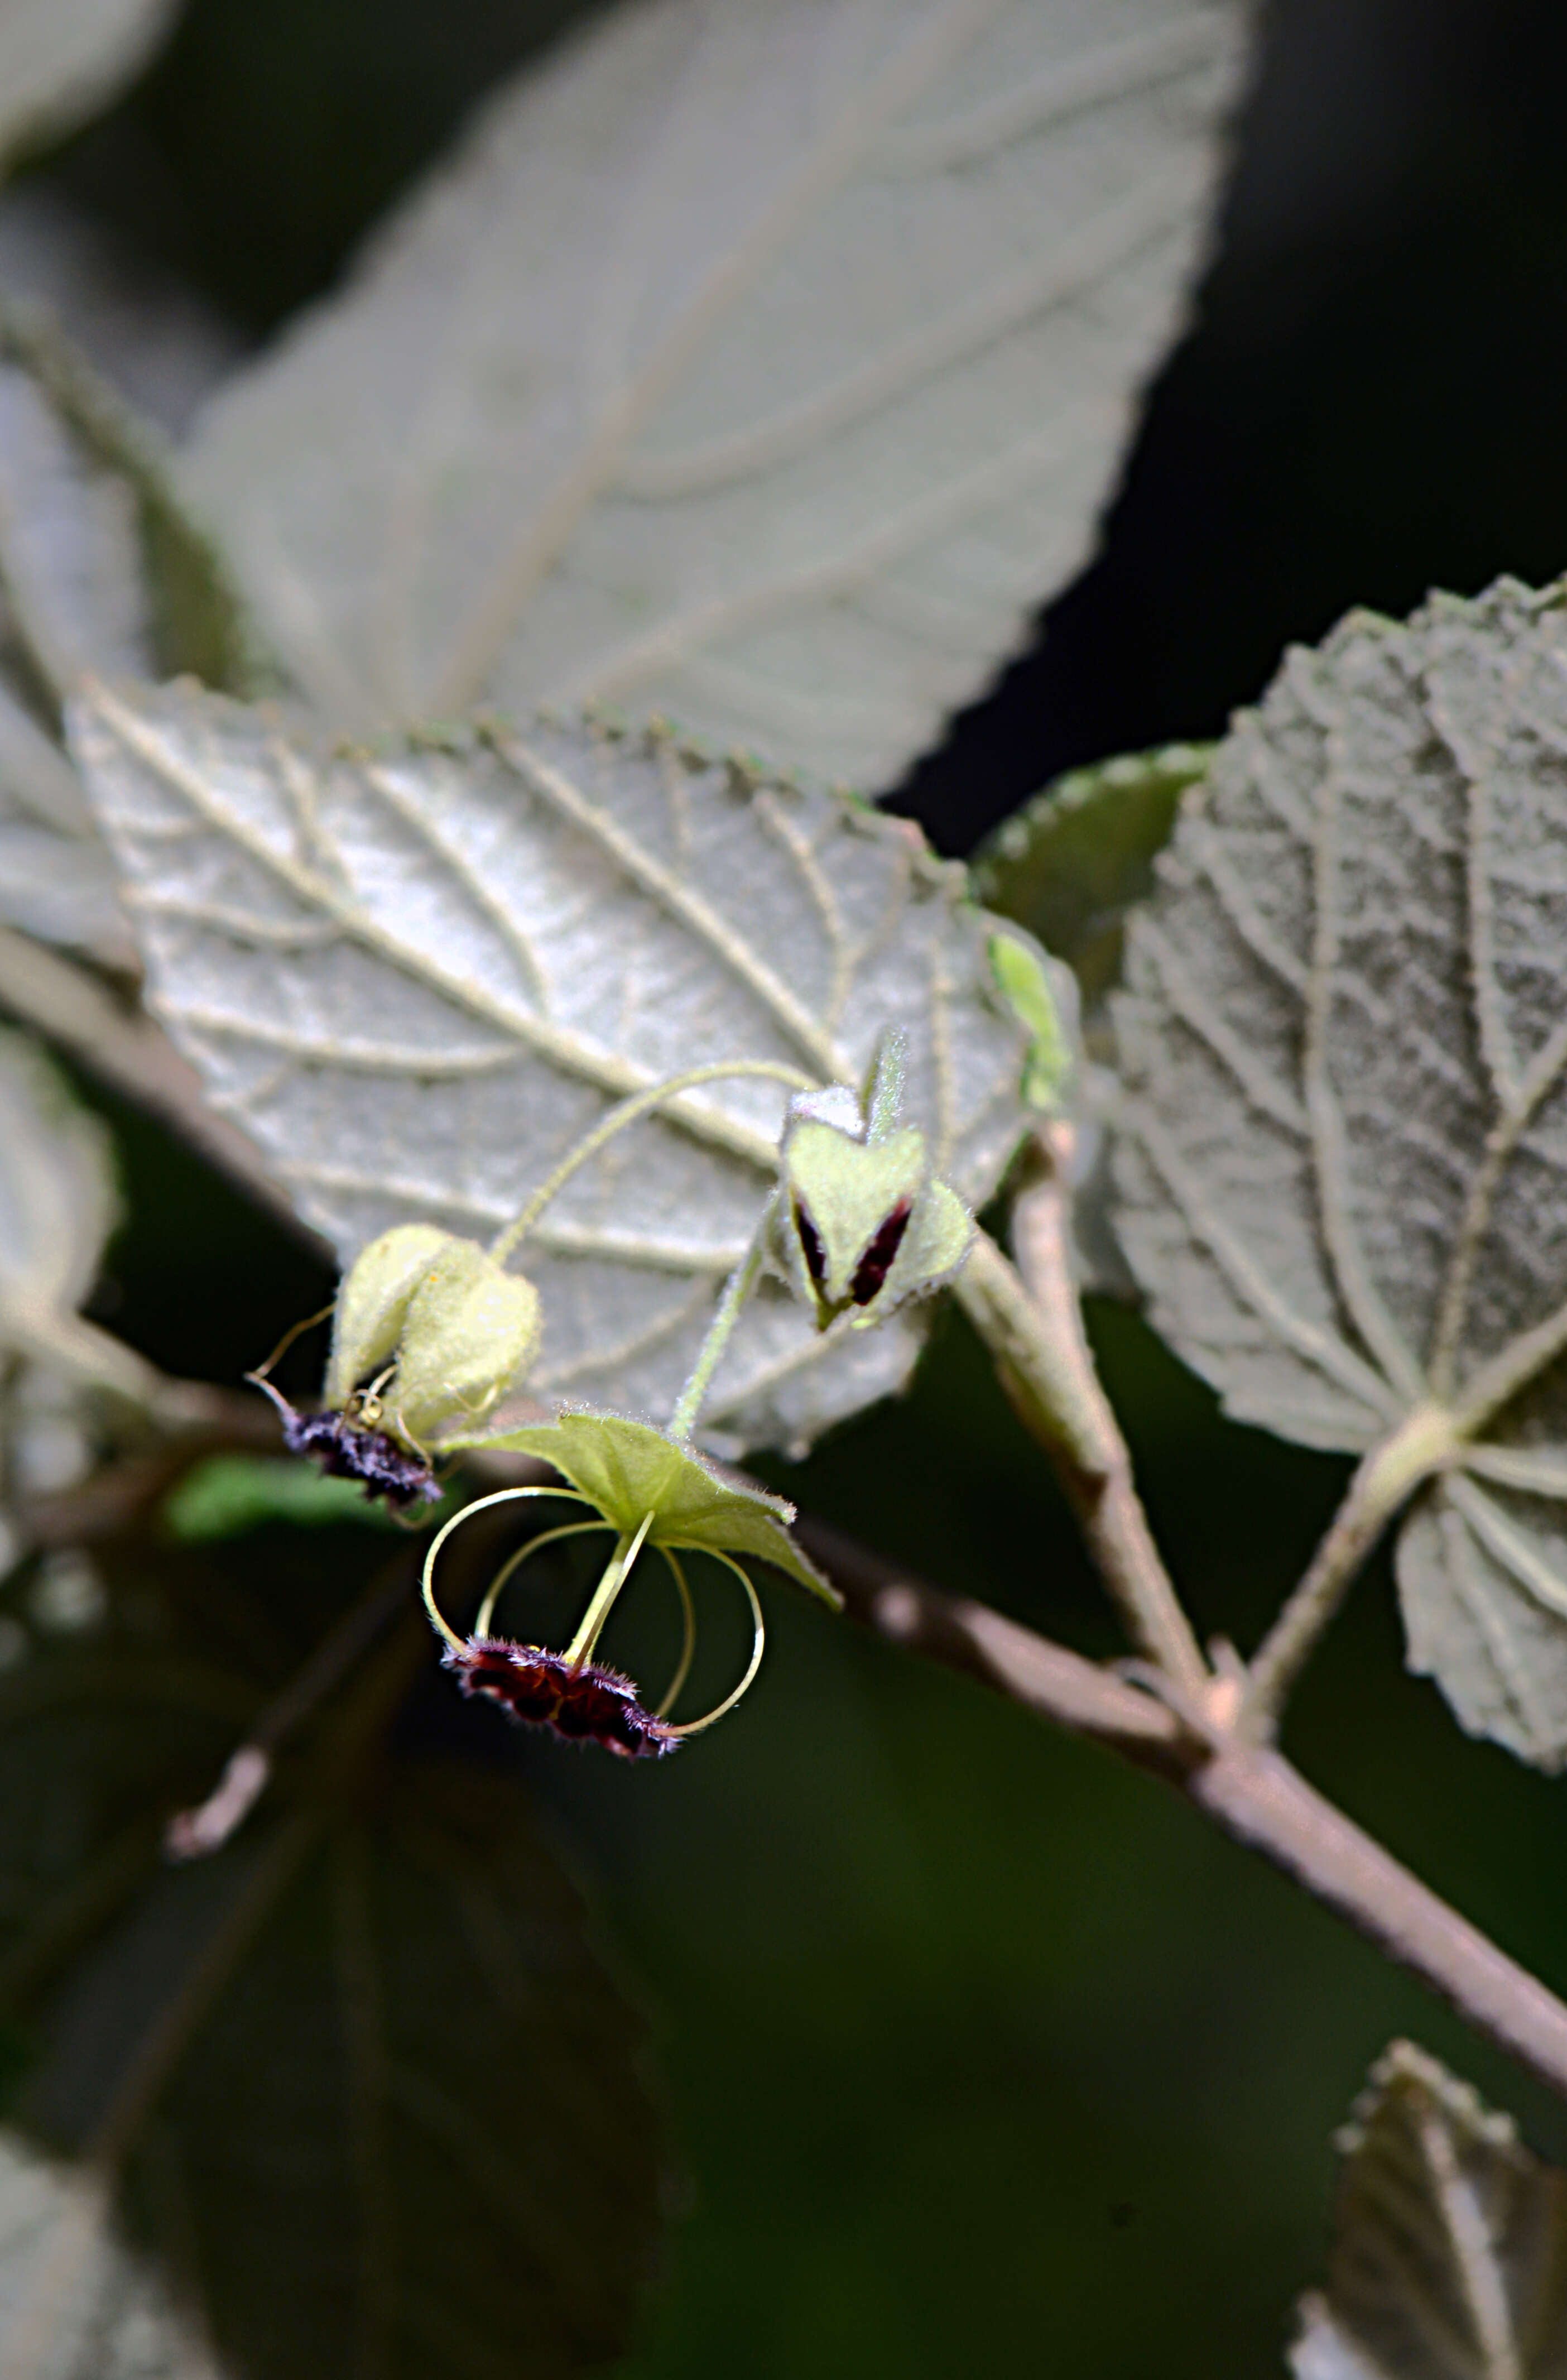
(766, 365)
(1043, 996)
(1446, 2230)
(1344, 1171)
(628, 1470)
(419, 975)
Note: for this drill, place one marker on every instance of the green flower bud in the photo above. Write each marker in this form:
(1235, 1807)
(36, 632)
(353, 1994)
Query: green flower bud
(863, 1224)
(472, 1331)
(372, 1303)
(436, 1327)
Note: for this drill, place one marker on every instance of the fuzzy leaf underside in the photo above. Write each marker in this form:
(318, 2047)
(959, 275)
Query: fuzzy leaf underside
(1344, 1174)
(60, 59)
(100, 571)
(74, 2306)
(418, 977)
(1450, 2245)
(373, 2103)
(764, 366)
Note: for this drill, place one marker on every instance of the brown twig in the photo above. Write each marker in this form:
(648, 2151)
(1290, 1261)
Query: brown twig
(1249, 1791)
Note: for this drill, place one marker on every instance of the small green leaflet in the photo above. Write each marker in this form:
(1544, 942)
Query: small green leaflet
(1343, 1167)
(1449, 2242)
(628, 1470)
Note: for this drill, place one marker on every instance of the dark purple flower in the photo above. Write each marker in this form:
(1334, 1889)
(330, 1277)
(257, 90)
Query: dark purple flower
(347, 1449)
(582, 1703)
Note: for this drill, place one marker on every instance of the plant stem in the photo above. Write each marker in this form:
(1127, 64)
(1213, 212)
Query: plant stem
(584, 1644)
(507, 1241)
(737, 1289)
(1036, 1335)
(1252, 1793)
(1378, 1487)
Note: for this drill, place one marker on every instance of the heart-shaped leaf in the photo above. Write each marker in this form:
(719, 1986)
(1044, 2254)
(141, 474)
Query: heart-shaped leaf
(1345, 1041)
(1449, 2242)
(418, 978)
(766, 365)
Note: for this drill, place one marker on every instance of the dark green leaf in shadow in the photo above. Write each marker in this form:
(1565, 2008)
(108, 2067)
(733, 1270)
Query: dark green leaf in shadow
(230, 1493)
(1070, 863)
(362, 2088)
(1449, 2242)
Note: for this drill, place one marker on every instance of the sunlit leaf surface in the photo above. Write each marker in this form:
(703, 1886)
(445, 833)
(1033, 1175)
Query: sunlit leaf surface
(762, 364)
(1344, 1176)
(1449, 2242)
(418, 976)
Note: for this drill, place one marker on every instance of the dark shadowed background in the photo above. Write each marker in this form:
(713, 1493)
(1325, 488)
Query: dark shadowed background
(981, 2053)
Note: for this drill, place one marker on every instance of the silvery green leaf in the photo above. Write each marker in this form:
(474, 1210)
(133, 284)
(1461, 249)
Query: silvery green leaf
(74, 2306)
(1449, 2242)
(99, 570)
(1344, 1169)
(762, 364)
(61, 59)
(418, 976)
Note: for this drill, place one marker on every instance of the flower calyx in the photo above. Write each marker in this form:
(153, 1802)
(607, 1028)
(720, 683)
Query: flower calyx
(863, 1223)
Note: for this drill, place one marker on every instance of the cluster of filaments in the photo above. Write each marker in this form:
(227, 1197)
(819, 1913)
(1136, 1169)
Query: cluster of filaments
(430, 1331)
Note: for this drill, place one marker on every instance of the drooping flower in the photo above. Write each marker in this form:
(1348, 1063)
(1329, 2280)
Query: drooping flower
(651, 1492)
(429, 1333)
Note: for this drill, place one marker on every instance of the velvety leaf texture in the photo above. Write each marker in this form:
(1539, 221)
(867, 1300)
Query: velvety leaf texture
(1449, 2242)
(366, 2098)
(418, 978)
(764, 364)
(1345, 1170)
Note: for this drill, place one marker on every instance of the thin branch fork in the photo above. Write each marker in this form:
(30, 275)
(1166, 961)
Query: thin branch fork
(1251, 1791)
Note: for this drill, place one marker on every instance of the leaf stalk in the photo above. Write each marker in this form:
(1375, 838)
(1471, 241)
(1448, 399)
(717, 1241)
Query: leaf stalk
(1031, 1320)
(1423, 1442)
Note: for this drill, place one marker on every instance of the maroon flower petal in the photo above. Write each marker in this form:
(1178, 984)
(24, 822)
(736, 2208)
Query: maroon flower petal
(584, 1703)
